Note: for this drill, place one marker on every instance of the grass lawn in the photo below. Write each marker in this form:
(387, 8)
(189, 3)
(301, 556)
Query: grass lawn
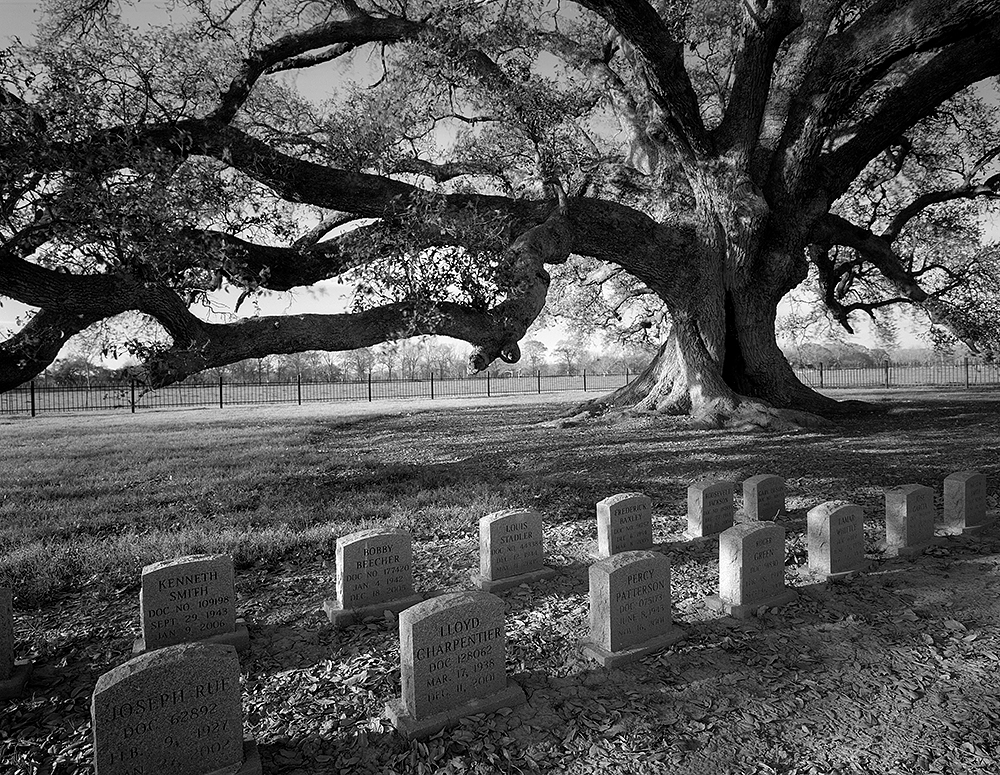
(895, 671)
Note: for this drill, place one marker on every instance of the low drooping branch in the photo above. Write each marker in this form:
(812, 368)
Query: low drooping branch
(32, 349)
(990, 189)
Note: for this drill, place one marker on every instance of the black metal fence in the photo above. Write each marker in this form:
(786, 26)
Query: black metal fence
(36, 397)
(963, 374)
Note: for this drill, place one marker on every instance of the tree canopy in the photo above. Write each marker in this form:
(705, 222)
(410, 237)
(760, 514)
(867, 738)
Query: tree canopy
(680, 165)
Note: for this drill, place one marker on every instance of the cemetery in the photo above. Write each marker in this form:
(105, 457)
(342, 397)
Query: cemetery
(775, 608)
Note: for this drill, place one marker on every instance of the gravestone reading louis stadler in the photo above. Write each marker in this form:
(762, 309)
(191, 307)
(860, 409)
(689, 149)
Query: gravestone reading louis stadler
(510, 550)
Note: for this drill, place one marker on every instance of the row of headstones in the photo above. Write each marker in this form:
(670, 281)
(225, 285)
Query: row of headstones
(149, 709)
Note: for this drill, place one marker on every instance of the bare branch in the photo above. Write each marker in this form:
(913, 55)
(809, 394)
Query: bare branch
(924, 201)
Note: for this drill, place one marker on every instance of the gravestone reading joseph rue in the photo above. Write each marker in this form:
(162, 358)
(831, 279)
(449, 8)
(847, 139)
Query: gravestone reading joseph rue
(835, 539)
(624, 524)
(189, 599)
(452, 651)
(629, 608)
(374, 575)
(751, 570)
(175, 710)
(13, 673)
(510, 550)
(763, 497)
(965, 502)
(909, 519)
(710, 508)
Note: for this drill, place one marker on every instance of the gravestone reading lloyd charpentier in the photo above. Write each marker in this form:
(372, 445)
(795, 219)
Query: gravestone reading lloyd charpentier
(374, 575)
(763, 497)
(965, 503)
(190, 599)
(629, 608)
(510, 550)
(835, 539)
(452, 651)
(909, 519)
(13, 673)
(175, 710)
(751, 570)
(624, 524)
(710, 508)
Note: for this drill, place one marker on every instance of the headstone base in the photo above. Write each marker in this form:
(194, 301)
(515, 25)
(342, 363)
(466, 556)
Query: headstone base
(498, 585)
(251, 761)
(818, 575)
(607, 658)
(958, 530)
(13, 687)
(695, 538)
(716, 603)
(343, 617)
(240, 638)
(908, 551)
(417, 729)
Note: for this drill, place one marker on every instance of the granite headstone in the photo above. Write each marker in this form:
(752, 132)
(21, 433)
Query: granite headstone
(909, 519)
(751, 570)
(835, 539)
(13, 672)
(965, 502)
(510, 550)
(763, 497)
(709, 508)
(624, 523)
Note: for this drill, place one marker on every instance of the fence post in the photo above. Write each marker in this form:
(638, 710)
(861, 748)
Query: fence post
(966, 373)
(584, 380)
(32, 392)
(369, 386)
(298, 386)
(432, 386)
(220, 391)
(887, 373)
(132, 387)
(488, 385)
(626, 375)
(821, 374)
(539, 375)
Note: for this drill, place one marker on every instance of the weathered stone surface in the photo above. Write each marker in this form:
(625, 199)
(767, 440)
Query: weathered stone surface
(710, 508)
(909, 519)
(624, 523)
(189, 599)
(13, 672)
(629, 608)
(452, 662)
(175, 710)
(510, 550)
(763, 497)
(965, 502)
(835, 538)
(374, 574)
(751, 569)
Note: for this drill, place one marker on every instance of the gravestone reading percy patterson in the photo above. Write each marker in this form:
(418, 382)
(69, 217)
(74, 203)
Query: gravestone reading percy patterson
(510, 550)
(175, 710)
(965, 502)
(13, 673)
(763, 497)
(374, 575)
(629, 608)
(710, 508)
(751, 570)
(624, 524)
(452, 651)
(835, 539)
(909, 519)
(189, 599)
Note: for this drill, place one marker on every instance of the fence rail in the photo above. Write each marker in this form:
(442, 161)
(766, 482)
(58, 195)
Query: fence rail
(35, 397)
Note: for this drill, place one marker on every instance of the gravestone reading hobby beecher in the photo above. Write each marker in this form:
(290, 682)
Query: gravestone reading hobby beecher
(965, 503)
(173, 711)
(751, 570)
(629, 608)
(452, 651)
(763, 497)
(710, 508)
(624, 524)
(909, 519)
(835, 539)
(13, 672)
(374, 575)
(190, 599)
(510, 550)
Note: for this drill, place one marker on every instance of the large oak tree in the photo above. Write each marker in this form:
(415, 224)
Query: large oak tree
(707, 154)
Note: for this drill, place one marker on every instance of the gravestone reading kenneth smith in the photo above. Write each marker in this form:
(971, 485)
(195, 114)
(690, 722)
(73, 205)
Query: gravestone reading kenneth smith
(190, 599)
(751, 570)
(374, 575)
(629, 608)
(13, 673)
(965, 502)
(510, 550)
(624, 524)
(909, 519)
(176, 711)
(710, 508)
(835, 539)
(763, 497)
(451, 652)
